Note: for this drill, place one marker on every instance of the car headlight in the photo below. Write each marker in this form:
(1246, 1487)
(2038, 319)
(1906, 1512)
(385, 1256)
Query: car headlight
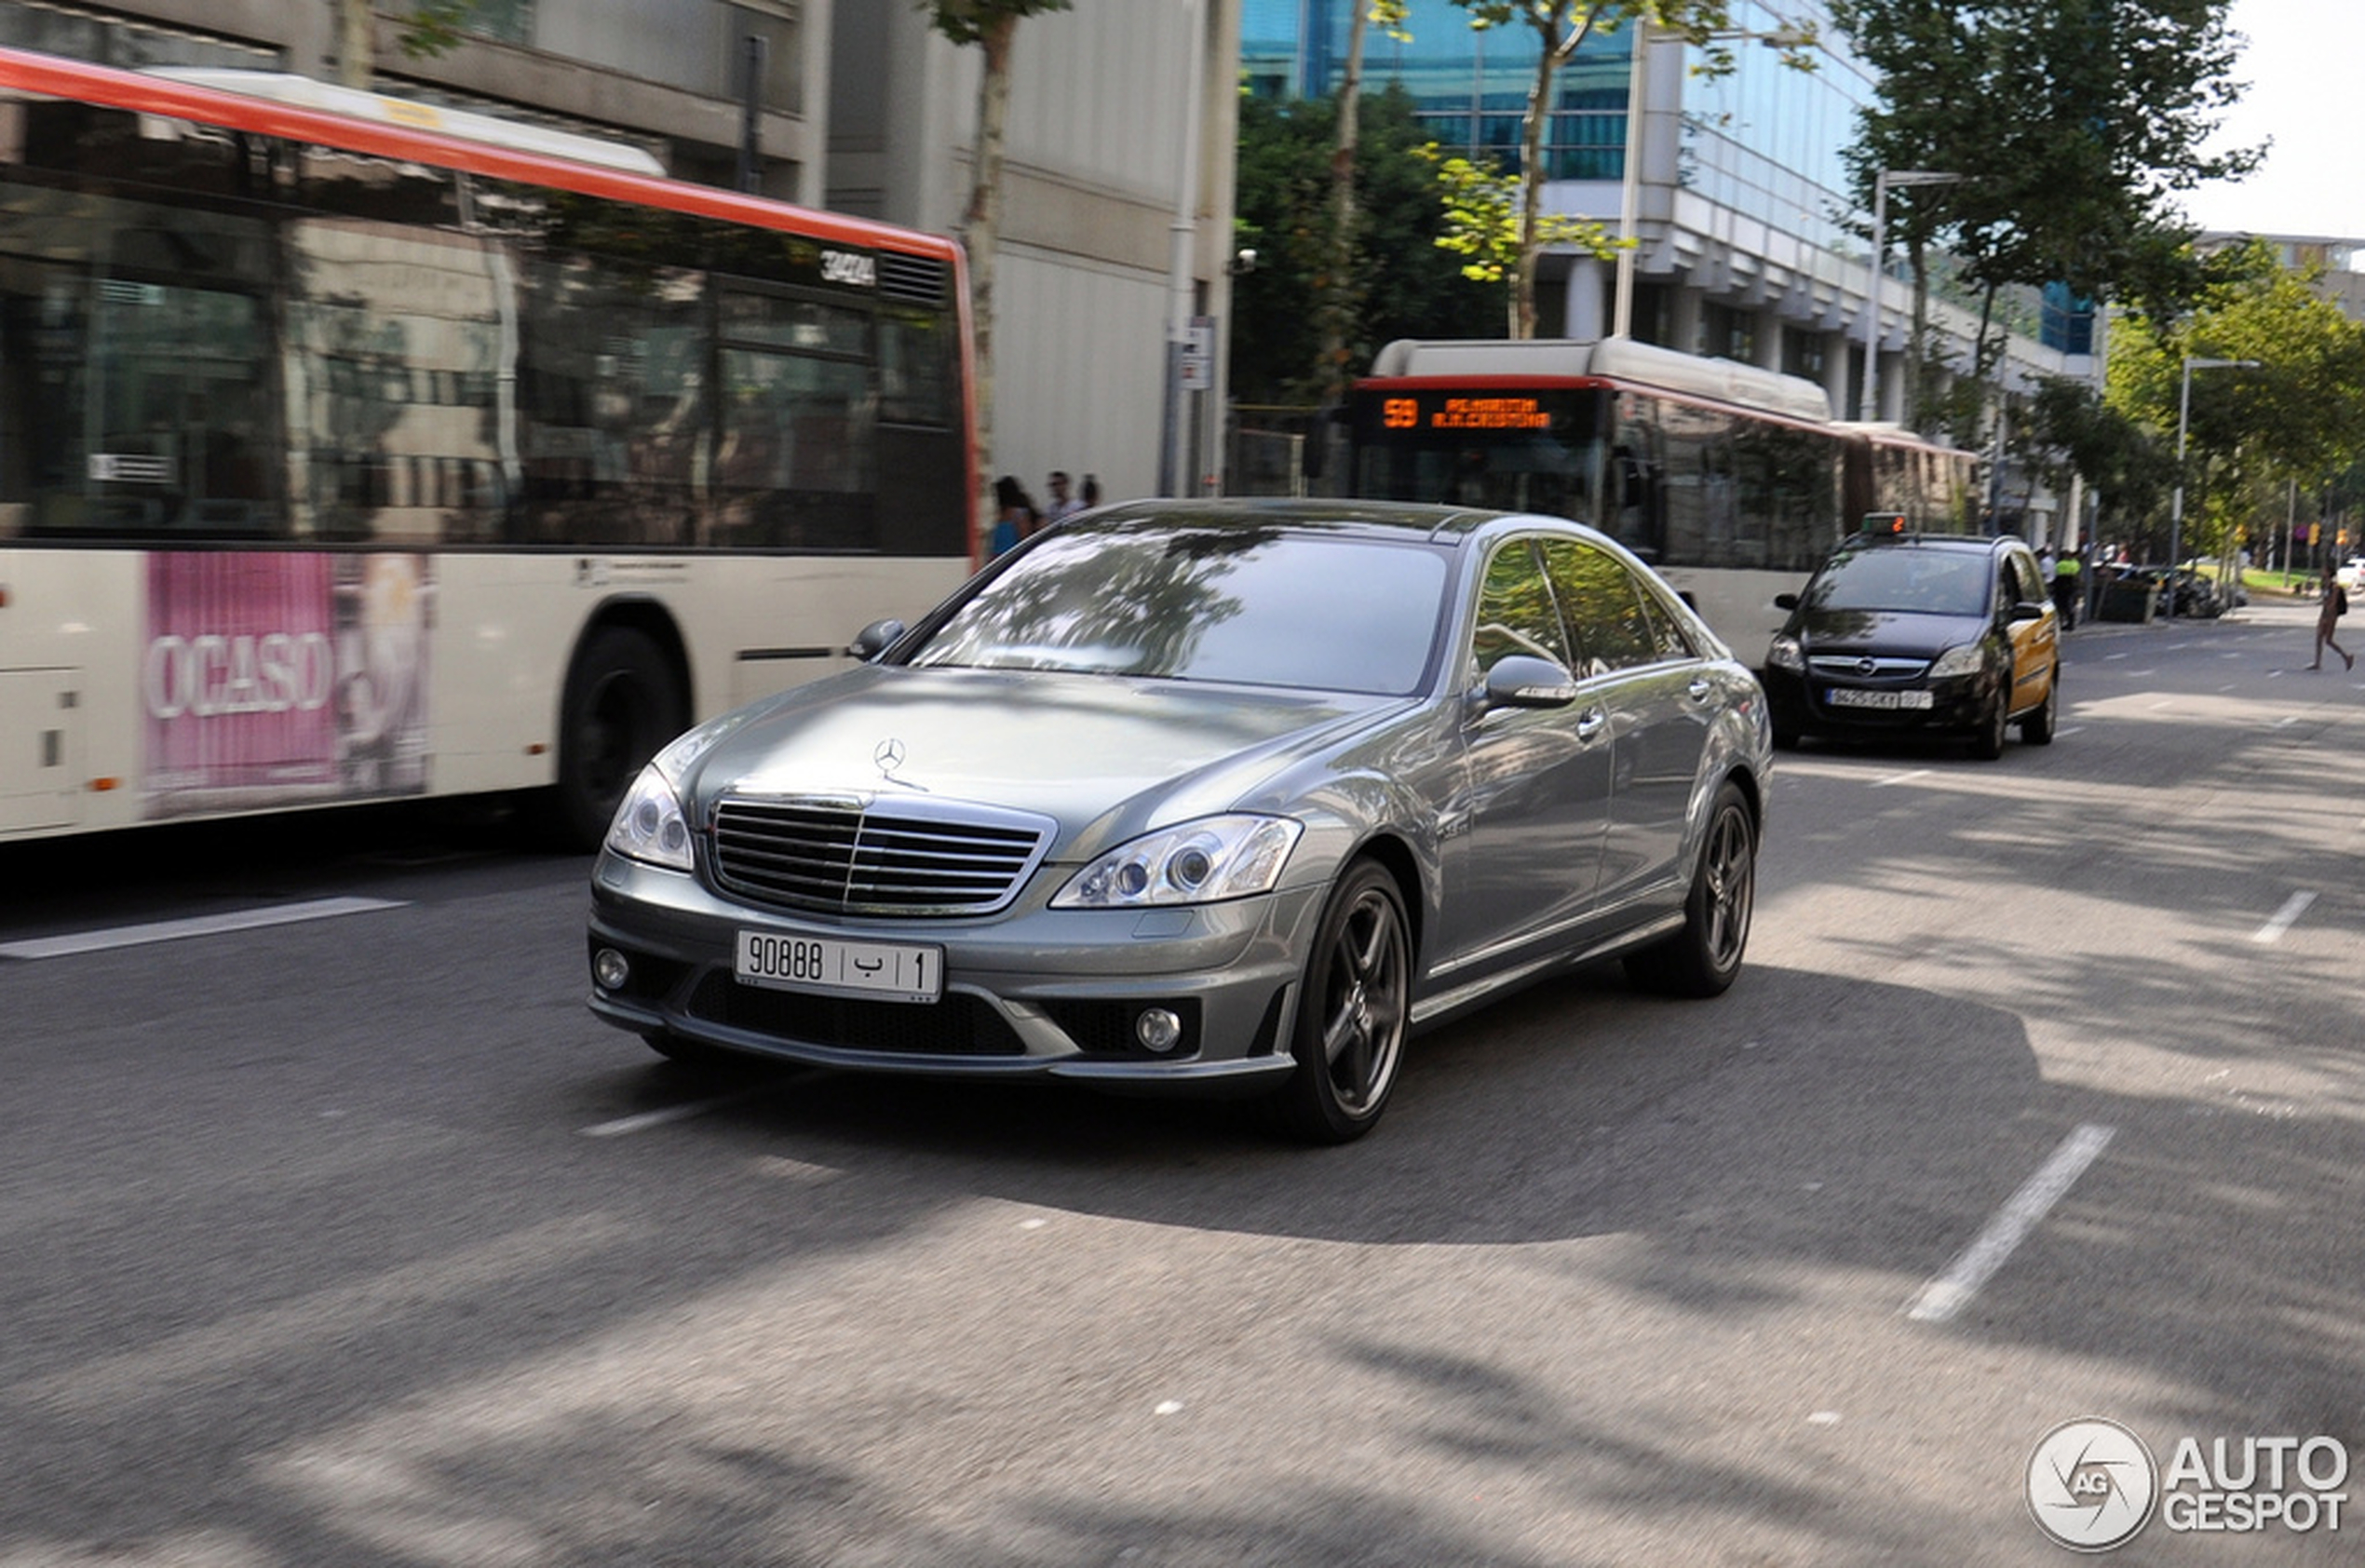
(1784, 655)
(1964, 660)
(649, 825)
(1195, 863)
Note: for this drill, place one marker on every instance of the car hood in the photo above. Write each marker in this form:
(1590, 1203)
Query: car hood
(1882, 632)
(1080, 749)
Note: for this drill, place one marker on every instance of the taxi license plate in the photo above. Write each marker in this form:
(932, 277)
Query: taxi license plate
(1855, 696)
(885, 971)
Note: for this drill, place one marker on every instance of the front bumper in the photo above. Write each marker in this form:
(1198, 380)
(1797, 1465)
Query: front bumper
(1034, 991)
(1802, 704)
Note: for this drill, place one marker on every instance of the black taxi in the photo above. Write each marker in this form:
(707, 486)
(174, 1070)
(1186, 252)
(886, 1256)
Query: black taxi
(1901, 632)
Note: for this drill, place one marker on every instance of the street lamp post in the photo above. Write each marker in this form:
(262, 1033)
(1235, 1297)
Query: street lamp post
(1883, 182)
(2184, 418)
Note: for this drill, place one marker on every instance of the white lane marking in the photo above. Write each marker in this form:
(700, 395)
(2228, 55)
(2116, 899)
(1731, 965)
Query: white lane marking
(199, 926)
(665, 1114)
(2284, 918)
(1951, 1291)
(2073, 729)
(1899, 778)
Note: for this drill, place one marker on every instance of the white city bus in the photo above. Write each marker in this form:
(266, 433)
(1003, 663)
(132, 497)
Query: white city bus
(1734, 483)
(345, 458)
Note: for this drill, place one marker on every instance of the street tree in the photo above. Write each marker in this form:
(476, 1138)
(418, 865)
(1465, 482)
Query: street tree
(1559, 28)
(1489, 225)
(2296, 418)
(1335, 289)
(2073, 127)
(991, 26)
(1395, 282)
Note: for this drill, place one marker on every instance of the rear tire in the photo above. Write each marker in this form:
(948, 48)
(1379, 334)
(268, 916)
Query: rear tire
(1703, 958)
(623, 701)
(1355, 1007)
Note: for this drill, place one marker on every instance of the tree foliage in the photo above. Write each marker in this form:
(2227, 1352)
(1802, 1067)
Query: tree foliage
(1559, 28)
(2299, 417)
(2074, 124)
(1487, 223)
(1396, 283)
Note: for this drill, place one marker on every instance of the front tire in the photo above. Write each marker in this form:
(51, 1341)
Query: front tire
(2037, 728)
(1987, 741)
(1354, 1009)
(1703, 958)
(623, 701)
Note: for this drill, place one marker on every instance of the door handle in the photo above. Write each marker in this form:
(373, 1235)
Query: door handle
(1592, 724)
(1699, 689)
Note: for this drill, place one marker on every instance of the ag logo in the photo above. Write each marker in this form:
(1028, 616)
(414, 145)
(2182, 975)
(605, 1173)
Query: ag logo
(2091, 1485)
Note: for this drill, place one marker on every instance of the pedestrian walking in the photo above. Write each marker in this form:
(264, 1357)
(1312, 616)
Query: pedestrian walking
(1064, 506)
(2335, 605)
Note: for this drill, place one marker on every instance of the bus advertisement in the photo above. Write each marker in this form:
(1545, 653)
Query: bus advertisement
(345, 458)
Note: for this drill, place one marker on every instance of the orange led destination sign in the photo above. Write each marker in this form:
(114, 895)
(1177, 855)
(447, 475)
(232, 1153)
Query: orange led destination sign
(1464, 413)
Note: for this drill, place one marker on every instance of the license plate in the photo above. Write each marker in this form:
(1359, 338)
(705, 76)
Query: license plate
(886, 971)
(1855, 697)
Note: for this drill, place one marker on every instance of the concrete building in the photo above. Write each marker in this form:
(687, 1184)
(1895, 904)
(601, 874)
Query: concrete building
(2335, 260)
(1117, 206)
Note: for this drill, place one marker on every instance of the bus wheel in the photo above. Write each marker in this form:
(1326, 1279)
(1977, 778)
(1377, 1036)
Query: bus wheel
(623, 701)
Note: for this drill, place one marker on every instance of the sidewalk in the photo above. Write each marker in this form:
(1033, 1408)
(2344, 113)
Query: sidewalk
(2264, 610)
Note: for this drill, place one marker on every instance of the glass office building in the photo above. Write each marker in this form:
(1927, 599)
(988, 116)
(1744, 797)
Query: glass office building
(1751, 245)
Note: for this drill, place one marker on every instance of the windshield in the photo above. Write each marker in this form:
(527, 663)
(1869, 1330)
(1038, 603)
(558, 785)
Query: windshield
(1255, 606)
(1923, 581)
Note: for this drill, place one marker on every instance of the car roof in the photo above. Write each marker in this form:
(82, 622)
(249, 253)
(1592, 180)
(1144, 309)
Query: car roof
(1982, 544)
(1401, 517)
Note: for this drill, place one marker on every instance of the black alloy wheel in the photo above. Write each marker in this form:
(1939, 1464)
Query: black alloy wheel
(1703, 958)
(1354, 1009)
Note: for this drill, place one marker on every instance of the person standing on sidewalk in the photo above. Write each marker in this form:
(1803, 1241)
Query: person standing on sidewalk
(2335, 605)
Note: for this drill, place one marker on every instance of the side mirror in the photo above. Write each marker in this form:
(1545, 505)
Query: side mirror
(1524, 681)
(874, 640)
(1786, 601)
(2026, 609)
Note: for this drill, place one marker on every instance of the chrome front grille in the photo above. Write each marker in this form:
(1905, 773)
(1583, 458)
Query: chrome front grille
(901, 857)
(1861, 667)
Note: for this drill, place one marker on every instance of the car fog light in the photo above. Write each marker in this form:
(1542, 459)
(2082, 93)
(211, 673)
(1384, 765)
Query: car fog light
(1158, 1030)
(611, 969)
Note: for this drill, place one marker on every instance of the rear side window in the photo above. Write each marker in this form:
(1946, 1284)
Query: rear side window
(1611, 618)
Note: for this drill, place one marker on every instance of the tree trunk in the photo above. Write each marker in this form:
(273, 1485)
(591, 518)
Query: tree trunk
(980, 229)
(1539, 113)
(1337, 305)
(354, 50)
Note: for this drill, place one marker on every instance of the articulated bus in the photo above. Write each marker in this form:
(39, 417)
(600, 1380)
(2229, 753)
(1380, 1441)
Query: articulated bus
(403, 452)
(1733, 482)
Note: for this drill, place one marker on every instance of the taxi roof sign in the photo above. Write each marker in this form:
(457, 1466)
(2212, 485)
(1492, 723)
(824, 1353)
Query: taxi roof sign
(1882, 522)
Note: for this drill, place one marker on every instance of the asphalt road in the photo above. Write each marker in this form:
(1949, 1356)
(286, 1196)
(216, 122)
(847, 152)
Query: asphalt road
(354, 1240)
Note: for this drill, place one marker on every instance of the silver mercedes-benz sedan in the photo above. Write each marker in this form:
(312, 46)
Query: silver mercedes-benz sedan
(1218, 796)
